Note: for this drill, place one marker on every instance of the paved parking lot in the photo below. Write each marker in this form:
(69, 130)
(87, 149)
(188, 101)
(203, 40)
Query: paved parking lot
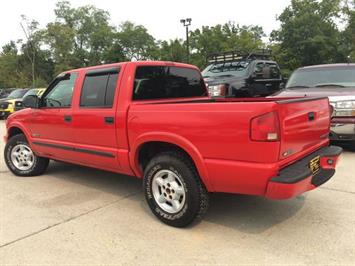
(80, 216)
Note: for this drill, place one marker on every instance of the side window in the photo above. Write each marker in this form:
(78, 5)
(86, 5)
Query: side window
(61, 94)
(159, 82)
(99, 89)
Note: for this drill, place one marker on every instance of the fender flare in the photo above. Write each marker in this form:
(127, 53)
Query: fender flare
(21, 127)
(174, 139)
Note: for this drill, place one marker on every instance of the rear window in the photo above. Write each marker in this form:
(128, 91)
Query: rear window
(160, 82)
(238, 69)
(99, 89)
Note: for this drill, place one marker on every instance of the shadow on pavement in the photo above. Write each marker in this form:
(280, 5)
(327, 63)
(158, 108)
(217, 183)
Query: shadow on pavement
(108, 182)
(248, 214)
(345, 145)
(251, 214)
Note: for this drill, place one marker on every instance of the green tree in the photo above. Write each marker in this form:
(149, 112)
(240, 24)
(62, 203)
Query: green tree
(86, 32)
(308, 34)
(10, 74)
(348, 35)
(136, 42)
(173, 50)
(227, 37)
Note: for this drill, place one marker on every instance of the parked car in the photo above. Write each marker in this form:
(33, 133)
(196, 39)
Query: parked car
(3, 93)
(233, 74)
(154, 120)
(7, 105)
(18, 103)
(336, 81)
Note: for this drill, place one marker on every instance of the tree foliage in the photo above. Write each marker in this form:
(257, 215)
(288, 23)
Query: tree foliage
(309, 34)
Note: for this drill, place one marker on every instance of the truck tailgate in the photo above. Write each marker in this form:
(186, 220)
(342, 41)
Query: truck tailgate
(304, 124)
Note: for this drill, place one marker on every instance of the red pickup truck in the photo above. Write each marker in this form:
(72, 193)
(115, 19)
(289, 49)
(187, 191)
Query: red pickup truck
(155, 121)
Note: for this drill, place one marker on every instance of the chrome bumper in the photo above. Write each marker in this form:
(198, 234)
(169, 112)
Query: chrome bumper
(342, 132)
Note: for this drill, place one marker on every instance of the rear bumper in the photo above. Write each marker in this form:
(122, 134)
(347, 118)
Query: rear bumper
(298, 178)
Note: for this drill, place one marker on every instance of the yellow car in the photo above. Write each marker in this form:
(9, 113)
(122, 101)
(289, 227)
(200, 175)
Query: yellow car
(14, 101)
(18, 103)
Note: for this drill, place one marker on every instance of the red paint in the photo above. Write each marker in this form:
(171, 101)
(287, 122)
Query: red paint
(216, 135)
(286, 191)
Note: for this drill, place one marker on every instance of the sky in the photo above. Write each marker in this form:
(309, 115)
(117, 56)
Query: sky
(160, 17)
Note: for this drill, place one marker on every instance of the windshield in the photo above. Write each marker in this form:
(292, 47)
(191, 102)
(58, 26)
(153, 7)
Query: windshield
(17, 94)
(323, 77)
(31, 92)
(236, 69)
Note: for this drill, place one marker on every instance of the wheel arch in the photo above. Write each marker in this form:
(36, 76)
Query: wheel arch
(15, 129)
(163, 141)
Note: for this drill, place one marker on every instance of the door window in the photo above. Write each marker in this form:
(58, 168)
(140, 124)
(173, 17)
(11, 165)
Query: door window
(61, 93)
(99, 90)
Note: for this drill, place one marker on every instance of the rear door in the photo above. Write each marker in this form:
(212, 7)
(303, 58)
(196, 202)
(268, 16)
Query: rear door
(304, 124)
(94, 119)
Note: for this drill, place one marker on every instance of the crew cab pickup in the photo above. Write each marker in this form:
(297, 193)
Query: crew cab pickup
(154, 120)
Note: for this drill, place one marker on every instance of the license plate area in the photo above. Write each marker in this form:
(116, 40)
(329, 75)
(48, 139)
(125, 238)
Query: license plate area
(314, 165)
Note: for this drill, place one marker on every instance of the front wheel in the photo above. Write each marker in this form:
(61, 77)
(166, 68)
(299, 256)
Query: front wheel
(20, 158)
(173, 189)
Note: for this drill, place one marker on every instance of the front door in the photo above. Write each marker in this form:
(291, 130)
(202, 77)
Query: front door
(51, 124)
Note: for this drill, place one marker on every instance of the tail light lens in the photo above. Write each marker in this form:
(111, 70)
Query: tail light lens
(217, 90)
(265, 127)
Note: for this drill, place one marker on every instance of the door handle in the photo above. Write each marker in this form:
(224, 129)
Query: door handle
(67, 118)
(109, 120)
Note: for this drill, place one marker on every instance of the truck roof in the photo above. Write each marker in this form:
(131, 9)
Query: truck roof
(329, 66)
(140, 63)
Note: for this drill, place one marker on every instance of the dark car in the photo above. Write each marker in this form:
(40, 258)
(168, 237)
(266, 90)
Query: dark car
(337, 81)
(232, 74)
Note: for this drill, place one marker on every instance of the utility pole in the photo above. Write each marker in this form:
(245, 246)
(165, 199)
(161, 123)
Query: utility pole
(186, 23)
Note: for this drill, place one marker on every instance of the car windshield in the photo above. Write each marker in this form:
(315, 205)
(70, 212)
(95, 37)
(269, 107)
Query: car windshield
(341, 77)
(31, 92)
(17, 94)
(236, 69)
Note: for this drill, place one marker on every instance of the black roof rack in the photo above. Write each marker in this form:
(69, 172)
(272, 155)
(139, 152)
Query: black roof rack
(232, 56)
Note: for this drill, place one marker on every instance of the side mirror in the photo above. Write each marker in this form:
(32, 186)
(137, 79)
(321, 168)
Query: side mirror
(31, 101)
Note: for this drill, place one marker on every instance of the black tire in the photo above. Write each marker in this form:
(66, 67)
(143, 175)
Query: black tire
(196, 201)
(40, 164)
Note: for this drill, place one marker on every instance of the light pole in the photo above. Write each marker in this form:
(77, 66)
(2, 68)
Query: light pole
(187, 22)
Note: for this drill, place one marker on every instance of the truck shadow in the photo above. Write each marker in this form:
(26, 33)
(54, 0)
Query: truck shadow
(346, 146)
(251, 214)
(248, 214)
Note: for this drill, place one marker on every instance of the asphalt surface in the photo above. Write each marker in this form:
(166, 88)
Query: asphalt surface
(74, 215)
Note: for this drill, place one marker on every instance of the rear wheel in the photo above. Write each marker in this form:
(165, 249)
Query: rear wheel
(20, 158)
(173, 189)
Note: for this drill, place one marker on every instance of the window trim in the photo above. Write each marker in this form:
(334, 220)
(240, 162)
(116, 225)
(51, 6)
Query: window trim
(100, 72)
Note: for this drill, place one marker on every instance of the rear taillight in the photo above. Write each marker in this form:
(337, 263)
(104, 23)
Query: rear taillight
(265, 127)
(217, 90)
